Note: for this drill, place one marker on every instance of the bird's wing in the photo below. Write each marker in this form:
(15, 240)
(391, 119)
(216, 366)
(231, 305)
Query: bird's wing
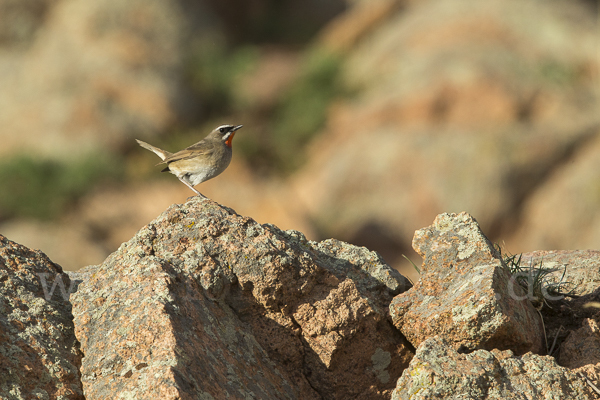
(191, 152)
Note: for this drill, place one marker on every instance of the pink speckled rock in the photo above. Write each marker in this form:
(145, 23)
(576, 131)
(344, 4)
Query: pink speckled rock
(203, 302)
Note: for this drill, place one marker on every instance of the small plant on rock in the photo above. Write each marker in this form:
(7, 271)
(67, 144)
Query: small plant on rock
(541, 283)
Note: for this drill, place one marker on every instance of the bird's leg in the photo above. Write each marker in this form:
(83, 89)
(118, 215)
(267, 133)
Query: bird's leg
(191, 187)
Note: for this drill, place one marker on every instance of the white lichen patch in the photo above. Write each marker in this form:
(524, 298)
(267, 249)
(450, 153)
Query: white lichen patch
(472, 236)
(468, 310)
(444, 222)
(381, 360)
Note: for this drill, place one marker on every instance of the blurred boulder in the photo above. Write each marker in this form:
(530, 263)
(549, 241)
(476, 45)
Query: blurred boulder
(562, 211)
(21, 19)
(457, 106)
(282, 21)
(94, 74)
(345, 31)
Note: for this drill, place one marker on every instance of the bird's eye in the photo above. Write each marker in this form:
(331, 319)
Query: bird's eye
(222, 130)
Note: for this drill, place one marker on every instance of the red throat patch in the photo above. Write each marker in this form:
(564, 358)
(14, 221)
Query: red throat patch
(229, 139)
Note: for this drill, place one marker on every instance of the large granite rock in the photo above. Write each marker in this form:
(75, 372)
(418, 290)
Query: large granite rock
(203, 302)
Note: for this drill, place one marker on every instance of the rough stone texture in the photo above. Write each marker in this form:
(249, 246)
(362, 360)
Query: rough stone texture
(439, 372)
(39, 355)
(582, 347)
(465, 293)
(203, 302)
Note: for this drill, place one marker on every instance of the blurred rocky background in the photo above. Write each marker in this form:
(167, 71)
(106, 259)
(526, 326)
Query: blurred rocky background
(363, 119)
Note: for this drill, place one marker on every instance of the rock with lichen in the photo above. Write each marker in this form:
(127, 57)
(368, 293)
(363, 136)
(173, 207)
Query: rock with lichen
(465, 293)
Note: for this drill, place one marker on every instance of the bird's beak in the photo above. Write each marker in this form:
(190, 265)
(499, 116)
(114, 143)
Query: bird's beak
(235, 128)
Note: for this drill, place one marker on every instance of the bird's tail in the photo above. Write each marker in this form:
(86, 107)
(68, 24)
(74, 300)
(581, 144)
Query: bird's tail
(159, 152)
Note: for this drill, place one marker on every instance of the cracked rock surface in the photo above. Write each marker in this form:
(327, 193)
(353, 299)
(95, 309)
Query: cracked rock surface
(204, 303)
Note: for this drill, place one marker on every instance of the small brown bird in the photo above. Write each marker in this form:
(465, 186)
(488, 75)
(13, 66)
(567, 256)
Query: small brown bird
(201, 161)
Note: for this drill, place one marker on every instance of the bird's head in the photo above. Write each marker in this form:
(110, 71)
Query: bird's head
(225, 133)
